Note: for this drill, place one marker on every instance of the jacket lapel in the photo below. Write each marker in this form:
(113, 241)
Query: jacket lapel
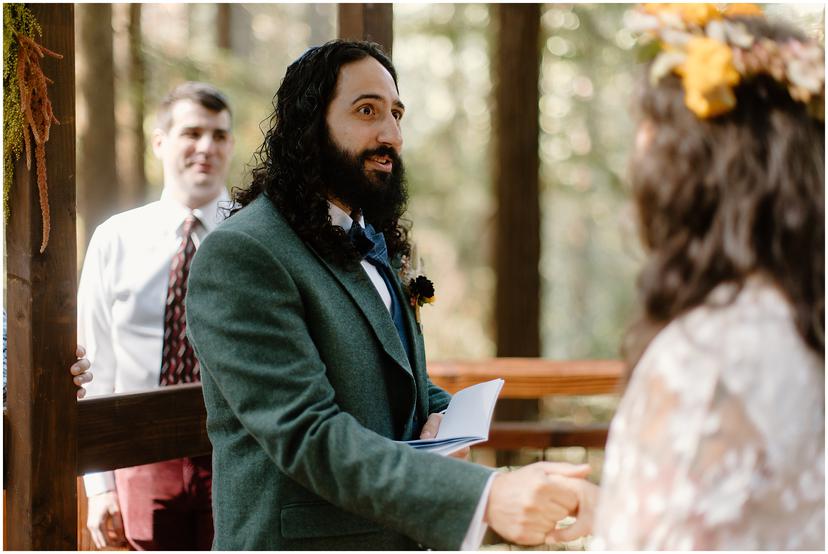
(412, 327)
(365, 296)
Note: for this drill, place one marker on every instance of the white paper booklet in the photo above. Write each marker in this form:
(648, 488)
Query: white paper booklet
(466, 420)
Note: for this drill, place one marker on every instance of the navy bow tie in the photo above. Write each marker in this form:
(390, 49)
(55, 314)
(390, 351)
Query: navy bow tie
(371, 246)
(369, 243)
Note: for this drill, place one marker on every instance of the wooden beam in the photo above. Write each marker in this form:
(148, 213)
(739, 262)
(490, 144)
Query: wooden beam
(514, 435)
(123, 430)
(516, 124)
(128, 429)
(531, 378)
(41, 288)
(374, 22)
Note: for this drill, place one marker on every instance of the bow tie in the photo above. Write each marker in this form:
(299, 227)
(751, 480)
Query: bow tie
(369, 243)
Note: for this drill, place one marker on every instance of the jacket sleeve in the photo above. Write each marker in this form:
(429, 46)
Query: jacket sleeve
(438, 399)
(246, 323)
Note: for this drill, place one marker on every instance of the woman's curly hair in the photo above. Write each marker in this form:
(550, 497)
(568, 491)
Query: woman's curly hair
(287, 165)
(721, 199)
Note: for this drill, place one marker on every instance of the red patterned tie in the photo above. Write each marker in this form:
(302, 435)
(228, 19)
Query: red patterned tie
(178, 362)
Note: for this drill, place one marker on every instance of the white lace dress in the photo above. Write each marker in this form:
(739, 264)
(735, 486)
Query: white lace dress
(719, 441)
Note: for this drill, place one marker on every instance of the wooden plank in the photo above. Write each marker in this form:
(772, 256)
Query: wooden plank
(513, 435)
(123, 430)
(128, 429)
(42, 504)
(374, 22)
(531, 377)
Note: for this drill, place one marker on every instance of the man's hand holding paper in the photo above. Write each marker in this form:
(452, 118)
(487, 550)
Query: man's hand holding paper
(430, 430)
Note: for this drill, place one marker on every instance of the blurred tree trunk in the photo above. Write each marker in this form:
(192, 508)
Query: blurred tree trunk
(374, 22)
(97, 179)
(224, 20)
(131, 79)
(516, 164)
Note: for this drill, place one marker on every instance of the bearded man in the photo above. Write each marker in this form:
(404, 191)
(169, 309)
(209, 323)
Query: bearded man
(312, 362)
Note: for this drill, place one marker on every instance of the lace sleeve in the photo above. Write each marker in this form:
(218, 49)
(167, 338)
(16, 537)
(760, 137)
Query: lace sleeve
(715, 450)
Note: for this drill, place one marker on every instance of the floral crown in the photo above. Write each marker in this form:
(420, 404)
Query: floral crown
(712, 53)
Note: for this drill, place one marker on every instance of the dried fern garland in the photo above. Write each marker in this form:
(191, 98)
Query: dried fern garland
(31, 110)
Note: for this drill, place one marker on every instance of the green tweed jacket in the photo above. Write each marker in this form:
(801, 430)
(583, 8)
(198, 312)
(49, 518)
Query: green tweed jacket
(306, 385)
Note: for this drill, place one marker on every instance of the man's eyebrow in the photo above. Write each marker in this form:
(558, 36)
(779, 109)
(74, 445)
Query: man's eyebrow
(198, 127)
(397, 103)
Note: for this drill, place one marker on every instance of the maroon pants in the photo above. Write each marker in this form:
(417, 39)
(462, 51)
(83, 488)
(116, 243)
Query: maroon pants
(167, 505)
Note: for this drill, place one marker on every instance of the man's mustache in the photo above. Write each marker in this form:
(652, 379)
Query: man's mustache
(382, 151)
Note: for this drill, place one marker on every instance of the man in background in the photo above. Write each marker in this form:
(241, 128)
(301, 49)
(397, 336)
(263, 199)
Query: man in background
(131, 318)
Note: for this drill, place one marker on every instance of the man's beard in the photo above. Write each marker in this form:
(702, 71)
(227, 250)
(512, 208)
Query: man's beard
(381, 197)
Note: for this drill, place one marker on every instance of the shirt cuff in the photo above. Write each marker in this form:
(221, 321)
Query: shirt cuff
(477, 529)
(97, 483)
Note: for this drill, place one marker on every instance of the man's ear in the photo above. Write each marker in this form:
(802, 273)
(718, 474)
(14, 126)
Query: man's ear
(157, 140)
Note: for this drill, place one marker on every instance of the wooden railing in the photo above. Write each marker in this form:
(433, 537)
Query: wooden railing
(533, 378)
(123, 430)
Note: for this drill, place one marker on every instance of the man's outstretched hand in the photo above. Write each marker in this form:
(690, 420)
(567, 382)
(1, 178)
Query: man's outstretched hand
(524, 505)
(587, 494)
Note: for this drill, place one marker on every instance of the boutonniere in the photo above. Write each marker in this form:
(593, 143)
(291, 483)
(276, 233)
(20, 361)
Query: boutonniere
(418, 287)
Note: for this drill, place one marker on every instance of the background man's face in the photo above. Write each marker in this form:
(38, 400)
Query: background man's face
(195, 152)
(363, 118)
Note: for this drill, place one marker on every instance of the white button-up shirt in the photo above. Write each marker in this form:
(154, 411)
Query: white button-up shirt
(122, 296)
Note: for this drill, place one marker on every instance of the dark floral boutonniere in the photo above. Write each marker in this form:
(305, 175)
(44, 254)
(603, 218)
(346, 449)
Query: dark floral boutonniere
(418, 287)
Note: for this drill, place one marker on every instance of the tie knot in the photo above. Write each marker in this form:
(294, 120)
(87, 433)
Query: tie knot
(189, 223)
(369, 243)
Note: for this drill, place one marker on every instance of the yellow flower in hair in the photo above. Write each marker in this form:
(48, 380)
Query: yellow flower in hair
(742, 10)
(708, 77)
(699, 14)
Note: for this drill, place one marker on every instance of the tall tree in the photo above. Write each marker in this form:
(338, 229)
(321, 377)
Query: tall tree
(224, 15)
(131, 80)
(95, 84)
(516, 164)
(374, 22)
(517, 242)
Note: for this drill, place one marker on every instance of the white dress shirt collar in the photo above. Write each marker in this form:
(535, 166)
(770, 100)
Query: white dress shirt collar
(342, 219)
(209, 214)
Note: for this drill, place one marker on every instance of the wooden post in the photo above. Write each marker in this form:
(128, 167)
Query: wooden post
(517, 243)
(374, 22)
(517, 251)
(41, 288)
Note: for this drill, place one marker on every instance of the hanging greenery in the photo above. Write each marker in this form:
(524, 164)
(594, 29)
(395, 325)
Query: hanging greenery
(26, 104)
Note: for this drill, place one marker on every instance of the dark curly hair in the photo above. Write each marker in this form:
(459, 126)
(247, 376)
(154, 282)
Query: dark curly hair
(287, 165)
(721, 199)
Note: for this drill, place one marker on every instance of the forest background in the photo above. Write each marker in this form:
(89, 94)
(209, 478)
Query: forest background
(443, 54)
